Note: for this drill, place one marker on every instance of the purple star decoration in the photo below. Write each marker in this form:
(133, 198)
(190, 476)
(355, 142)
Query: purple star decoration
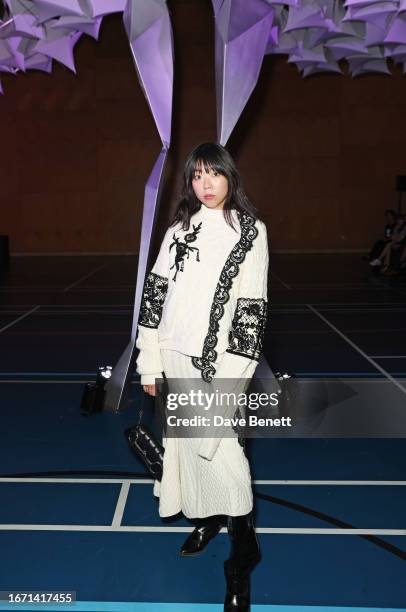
(35, 33)
(315, 34)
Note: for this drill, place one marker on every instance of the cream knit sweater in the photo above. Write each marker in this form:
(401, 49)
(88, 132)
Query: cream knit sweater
(205, 295)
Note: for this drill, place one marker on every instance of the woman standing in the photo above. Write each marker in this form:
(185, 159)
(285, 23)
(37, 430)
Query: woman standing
(203, 314)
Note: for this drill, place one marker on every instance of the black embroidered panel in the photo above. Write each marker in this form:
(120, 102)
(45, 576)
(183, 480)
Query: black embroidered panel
(222, 294)
(183, 249)
(153, 299)
(248, 327)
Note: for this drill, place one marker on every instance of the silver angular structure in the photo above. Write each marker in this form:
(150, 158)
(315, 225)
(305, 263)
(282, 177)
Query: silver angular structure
(149, 31)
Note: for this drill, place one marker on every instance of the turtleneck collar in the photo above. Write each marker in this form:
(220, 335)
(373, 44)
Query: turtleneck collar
(207, 213)
(205, 210)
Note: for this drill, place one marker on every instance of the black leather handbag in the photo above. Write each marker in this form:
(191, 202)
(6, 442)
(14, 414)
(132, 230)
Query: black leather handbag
(143, 443)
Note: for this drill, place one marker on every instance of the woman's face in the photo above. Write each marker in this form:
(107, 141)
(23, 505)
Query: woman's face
(210, 188)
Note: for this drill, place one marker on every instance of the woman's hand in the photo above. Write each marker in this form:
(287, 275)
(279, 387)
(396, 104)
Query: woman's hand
(150, 389)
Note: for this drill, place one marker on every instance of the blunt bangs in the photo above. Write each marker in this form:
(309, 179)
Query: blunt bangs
(209, 156)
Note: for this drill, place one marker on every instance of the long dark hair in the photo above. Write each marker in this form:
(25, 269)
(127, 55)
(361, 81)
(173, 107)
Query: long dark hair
(211, 156)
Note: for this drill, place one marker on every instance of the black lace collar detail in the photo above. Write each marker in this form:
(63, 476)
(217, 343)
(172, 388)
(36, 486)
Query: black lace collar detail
(230, 270)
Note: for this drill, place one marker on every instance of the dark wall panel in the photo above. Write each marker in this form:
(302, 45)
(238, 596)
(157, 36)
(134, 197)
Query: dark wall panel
(318, 156)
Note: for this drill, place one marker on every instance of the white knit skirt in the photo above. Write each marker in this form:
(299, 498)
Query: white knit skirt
(192, 484)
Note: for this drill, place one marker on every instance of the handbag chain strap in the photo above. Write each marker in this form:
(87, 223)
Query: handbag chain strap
(141, 411)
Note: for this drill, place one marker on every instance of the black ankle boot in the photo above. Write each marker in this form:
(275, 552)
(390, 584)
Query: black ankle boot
(205, 531)
(245, 554)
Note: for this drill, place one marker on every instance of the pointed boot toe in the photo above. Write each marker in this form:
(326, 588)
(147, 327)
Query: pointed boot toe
(199, 538)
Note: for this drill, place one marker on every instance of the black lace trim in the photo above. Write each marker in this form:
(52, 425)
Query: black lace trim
(248, 328)
(222, 294)
(153, 299)
(239, 430)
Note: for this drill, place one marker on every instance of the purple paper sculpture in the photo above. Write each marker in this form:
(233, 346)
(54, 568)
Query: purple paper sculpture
(243, 30)
(350, 31)
(34, 33)
(149, 31)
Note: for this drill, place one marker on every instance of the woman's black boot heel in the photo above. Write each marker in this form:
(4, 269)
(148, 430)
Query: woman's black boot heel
(244, 557)
(206, 530)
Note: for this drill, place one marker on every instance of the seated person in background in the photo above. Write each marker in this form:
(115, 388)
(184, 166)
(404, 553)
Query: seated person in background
(396, 242)
(402, 262)
(391, 218)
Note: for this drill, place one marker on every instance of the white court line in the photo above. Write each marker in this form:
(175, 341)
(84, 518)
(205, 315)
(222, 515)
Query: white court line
(84, 278)
(112, 286)
(158, 529)
(388, 356)
(82, 480)
(121, 502)
(333, 482)
(88, 311)
(292, 305)
(28, 287)
(53, 381)
(139, 481)
(106, 289)
(337, 286)
(358, 349)
(382, 310)
(278, 278)
(322, 304)
(45, 310)
(100, 306)
(19, 319)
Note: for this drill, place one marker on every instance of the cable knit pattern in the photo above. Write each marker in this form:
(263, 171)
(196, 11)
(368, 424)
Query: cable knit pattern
(193, 485)
(252, 286)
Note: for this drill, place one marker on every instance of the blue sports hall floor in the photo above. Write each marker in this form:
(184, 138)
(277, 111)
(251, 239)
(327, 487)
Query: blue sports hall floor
(76, 507)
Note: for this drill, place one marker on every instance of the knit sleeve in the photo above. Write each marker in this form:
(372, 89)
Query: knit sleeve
(149, 363)
(246, 334)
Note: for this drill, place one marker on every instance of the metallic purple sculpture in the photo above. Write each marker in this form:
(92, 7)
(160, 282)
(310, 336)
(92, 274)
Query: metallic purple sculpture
(34, 33)
(149, 31)
(242, 33)
(315, 34)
